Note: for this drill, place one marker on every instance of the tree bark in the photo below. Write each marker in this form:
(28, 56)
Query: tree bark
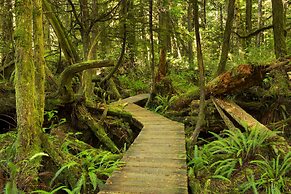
(201, 115)
(28, 141)
(163, 39)
(279, 28)
(226, 38)
(7, 49)
(249, 5)
(190, 29)
(260, 17)
(39, 61)
(152, 51)
(65, 87)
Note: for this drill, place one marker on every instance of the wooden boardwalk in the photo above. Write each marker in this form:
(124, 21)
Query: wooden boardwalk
(156, 161)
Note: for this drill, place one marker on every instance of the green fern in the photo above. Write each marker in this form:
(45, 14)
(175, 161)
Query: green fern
(49, 192)
(199, 162)
(238, 147)
(73, 163)
(273, 178)
(164, 103)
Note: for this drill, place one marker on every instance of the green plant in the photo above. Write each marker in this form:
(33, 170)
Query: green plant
(94, 165)
(273, 173)
(164, 103)
(52, 117)
(134, 84)
(250, 184)
(236, 148)
(50, 192)
(198, 163)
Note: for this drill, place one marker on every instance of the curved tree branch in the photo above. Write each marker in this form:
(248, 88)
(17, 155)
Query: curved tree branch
(254, 33)
(65, 80)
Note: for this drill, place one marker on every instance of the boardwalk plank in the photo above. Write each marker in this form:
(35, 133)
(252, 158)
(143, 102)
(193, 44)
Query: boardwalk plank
(156, 161)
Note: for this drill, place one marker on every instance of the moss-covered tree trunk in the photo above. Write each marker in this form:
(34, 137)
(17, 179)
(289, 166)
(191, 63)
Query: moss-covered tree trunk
(226, 37)
(279, 28)
(39, 61)
(7, 49)
(28, 141)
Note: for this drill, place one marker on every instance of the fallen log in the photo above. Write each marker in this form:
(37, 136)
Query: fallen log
(235, 80)
(278, 143)
(226, 120)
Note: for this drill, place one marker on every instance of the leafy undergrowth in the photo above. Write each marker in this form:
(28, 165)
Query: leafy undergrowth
(74, 161)
(94, 167)
(239, 162)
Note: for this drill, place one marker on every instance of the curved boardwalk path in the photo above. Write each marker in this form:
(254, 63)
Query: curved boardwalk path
(156, 160)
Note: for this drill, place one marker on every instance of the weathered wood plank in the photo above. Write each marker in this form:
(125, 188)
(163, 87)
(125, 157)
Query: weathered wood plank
(156, 161)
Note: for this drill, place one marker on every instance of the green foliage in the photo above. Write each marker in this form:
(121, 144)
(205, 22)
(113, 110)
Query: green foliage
(52, 117)
(183, 79)
(235, 149)
(50, 192)
(255, 55)
(68, 165)
(11, 187)
(199, 163)
(273, 173)
(242, 153)
(134, 84)
(95, 165)
(164, 103)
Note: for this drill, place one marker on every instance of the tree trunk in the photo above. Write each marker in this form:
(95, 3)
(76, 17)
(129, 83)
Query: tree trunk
(201, 115)
(260, 17)
(28, 141)
(39, 61)
(153, 83)
(190, 29)
(7, 49)
(87, 84)
(249, 20)
(279, 28)
(163, 39)
(226, 38)
(131, 40)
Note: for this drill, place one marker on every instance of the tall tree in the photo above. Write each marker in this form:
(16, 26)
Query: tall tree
(260, 23)
(249, 6)
(226, 37)
(279, 28)
(164, 38)
(201, 115)
(152, 52)
(39, 61)
(29, 104)
(190, 29)
(7, 49)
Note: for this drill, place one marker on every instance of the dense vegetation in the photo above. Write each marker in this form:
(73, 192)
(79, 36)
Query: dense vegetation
(63, 63)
